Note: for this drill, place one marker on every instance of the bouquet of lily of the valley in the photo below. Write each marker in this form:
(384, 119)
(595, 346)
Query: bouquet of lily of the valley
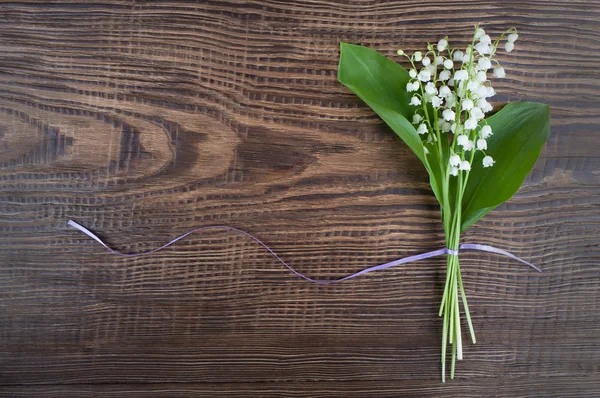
(438, 108)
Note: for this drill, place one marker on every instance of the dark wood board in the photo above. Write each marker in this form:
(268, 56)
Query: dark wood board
(143, 120)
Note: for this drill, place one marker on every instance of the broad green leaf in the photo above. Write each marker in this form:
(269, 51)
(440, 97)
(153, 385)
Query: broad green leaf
(520, 130)
(381, 83)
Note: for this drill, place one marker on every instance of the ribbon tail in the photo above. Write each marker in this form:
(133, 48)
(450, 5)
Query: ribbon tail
(405, 260)
(492, 249)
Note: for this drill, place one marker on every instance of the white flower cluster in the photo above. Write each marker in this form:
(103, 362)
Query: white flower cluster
(454, 86)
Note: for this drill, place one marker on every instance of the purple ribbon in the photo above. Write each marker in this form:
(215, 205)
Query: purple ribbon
(434, 253)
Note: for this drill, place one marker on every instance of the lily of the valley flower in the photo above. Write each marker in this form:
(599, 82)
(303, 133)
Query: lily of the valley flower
(455, 83)
(488, 161)
(422, 129)
(448, 115)
(485, 131)
(465, 165)
(452, 92)
(481, 144)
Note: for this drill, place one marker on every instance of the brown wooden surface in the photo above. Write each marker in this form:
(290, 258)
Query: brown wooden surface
(143, 120)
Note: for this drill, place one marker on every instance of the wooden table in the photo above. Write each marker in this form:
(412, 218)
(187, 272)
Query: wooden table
(143, 120)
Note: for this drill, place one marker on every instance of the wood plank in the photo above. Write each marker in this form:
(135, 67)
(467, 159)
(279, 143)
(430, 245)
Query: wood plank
(143, 120)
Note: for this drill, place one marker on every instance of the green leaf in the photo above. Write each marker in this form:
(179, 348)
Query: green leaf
(520, 130)
(381, 83)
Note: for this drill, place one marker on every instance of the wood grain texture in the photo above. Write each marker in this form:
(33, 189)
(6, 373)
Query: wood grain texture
(143, 120)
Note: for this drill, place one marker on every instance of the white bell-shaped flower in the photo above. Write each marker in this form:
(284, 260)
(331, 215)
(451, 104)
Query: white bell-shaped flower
(417, 118)
(444, 75)
(483, 49)
(488, 161)
(422, 129)
(485, 131)
(470, 124)
(442, 45)
(445, 91)
(454, 160)
(462, 139)
(476, 113)
(449, 115)
(436, 101)
(461, 75)
(472, 85)
(484, 64)
(458, 55)
(467, 104)
(448, 64)
(424, 75)
(430, 88)
(484, 105)
(509, 46)
(481, 76)
(412, 73)
(499, 72)
(481, 144)
(415, 101)
(465, 165)
(481, 92)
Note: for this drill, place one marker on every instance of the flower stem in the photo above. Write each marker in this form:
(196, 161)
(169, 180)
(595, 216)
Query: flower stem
(450, 306)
